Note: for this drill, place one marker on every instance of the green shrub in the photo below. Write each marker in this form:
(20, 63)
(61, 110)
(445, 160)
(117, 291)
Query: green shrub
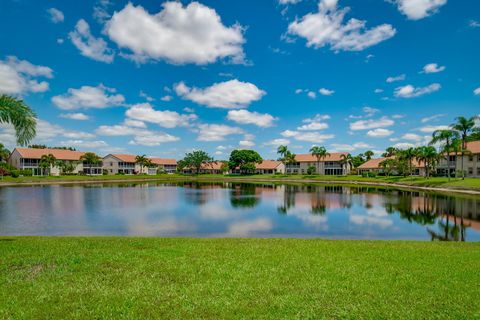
(311, 170)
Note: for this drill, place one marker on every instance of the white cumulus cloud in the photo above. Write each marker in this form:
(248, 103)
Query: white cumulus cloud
(85, 97)
(18, 76)
(418, 9)
(167, 119)
(55, 15)
(371, 124)
(177, 34)
(379, 133)
(216, 132)
(230, 94)
(410, 91)
(75, 116)
(263, 120)
(89, 46)
(327, 27)
(396, 78)
(326, 92)
(433, 68)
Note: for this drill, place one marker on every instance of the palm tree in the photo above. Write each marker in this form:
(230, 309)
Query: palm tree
(464, 127)
(319, 153)
(47, 161)
(427, 155)
(408, 155)
(389, 152)
(369, 154)
(89, 160)
(447, 137)
(282, 150)
(23, 119)
(143, 162)
(345, 159)
(4, 153)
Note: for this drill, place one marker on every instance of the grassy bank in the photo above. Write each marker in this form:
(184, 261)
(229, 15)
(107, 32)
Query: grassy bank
(434, 182)
(140, 278)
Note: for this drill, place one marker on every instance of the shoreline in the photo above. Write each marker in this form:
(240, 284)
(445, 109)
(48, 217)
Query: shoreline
(469, 191)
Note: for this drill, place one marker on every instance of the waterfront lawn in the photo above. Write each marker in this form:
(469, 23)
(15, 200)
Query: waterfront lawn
(440, 182)
(138, 278)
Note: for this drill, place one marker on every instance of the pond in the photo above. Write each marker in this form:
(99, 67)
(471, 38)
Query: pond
(238, 210)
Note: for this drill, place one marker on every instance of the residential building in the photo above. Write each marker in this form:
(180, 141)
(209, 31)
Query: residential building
(332, 164)
(29, 158)
(269, 167)
(471, 162)
(120, 164)
(375, 166)
(165, 165)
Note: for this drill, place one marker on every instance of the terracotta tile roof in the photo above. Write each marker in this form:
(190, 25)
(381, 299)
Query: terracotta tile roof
(334, 156)
(60, 154)
(474, 146)
(215, 165)
(268, 165)
(124, 157)
(372, 163)
(161, 161)
(375, 163)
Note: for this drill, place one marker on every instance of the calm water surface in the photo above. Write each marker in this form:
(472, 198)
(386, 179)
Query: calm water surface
(241, 210)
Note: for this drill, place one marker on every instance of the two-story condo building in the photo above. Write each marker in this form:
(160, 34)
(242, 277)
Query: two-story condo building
(471, 162)
(375, 166)
(29, 158)
(333, 164)
(126, 164)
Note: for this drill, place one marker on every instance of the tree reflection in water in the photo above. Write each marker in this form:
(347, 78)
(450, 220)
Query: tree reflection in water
(244, 195)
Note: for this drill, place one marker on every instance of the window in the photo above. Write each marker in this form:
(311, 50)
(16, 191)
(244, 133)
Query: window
(451, 158)
(470, 158)
(478, 158)
(111, 164)
(470, 171)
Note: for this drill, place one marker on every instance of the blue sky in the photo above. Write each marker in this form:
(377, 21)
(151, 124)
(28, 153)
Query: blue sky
(163, 78)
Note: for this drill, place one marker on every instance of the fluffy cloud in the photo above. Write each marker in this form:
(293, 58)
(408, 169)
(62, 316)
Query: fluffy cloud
(216, 132)
(85, 143)
(153, 139)
(326, 27)
(89, 46)
(89, 97)
(433, 68)
(17, 76)
(475, 92)
(404, 145)
(350, 147)
(379, 133)
(229, 94)
(100, 13)
(410, 91)
(315, 137)
(430, 129)
(313, 126)
(371, 124)
(247, 144)
(263, 120)
(75, 116)
(412, 137)
(277, 142)
(177, 34)
(326, 92)
(167, 119)
(418, 9)
(396, 78)
(55, 15)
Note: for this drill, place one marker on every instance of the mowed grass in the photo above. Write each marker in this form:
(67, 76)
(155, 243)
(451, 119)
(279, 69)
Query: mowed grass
(141, 278)
(439, 182)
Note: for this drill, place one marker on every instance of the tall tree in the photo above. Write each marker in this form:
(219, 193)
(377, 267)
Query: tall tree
(446, 138)
(369, 154)
(464, 127)
(389, 152)
(408, 155)
(282, 150)
(4, 153)
(346, 159)
(429, 156)
(143, 162)
(47, 161)
(319, 153)
(23, 119)
(286, 156)
(196, 159)
(244, 159)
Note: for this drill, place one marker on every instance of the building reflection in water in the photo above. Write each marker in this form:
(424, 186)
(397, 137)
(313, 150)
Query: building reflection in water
(225, 209)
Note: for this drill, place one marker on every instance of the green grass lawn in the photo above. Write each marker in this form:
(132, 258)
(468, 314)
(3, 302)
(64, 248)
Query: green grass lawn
(140, 278)
(440, 182)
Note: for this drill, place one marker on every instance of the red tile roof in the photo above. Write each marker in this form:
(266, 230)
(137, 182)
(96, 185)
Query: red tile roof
(60, 154)
(268, 165)
(215, 165)
(375, 163)
(474, 146)
(334, 156)
(125, 157)
(161, 161)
